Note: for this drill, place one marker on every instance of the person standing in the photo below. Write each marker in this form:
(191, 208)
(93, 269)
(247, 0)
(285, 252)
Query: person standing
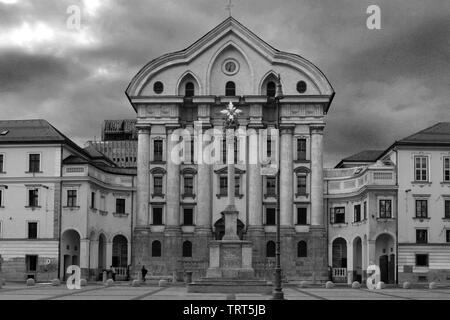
(144, 273)
(113, 273)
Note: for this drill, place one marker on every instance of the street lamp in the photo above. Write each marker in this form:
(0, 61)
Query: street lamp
(278, 290)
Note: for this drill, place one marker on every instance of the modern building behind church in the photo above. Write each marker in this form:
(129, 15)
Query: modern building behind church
(124, 200)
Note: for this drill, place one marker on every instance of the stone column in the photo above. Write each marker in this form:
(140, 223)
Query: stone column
(172, 234)
(93, 263)
(255, 182)
(230, 213)
(286, 177)
(350, 263)
(128, 252)
(371, 253)
(143, 175)
(317, 218)
(109, 253)
(84, 257)
(204, 189)
(364, 262)
(173, 185)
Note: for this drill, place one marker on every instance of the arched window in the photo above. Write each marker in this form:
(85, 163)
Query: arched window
(189, 90)
(230, 89)
(187, 249)
(156, 248)
(271, 89)
(302, 249)
(270, 249)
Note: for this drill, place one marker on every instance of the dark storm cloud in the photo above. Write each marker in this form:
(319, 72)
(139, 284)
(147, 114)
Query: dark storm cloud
(19, 70)
(383, 79)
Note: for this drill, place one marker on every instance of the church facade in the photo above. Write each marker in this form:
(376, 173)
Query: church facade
(179, 204)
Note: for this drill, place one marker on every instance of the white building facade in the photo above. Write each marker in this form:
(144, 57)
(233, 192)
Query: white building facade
(423, 169)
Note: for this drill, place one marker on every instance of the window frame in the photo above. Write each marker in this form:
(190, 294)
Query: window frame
(334, 212)
(93, 199)
(37, 197)
(153, 215)
(156, 157)
(418, 239)
(71, 200)
(357, 213)
(230, 87)
(299, 150)
(2, 163)
(305, 218)
(187, 251)
(272, 251)
(274, 218)
(36, 223)
(302, 253)
(153, 254)
(446, 169)
(447, 208)
(192, 216)
(421, 170)
(419, 214)
(191, 90)
(302, 189)
(272, 190)
(427, 261)
(157, 192)
(382, 212)
(39, 169)
(120, 206)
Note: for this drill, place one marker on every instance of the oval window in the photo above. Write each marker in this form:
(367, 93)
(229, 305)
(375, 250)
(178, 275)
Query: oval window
(301, 86)
(158, 87)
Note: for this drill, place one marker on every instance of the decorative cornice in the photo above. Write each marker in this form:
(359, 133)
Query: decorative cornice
(157, 170)
(224, 170)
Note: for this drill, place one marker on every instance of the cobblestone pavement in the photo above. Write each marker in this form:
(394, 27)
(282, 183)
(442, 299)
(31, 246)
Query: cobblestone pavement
(123, 291)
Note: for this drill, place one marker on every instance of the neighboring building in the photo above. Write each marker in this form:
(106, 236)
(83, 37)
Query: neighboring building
(362, 208)
(179, 206)
(97, 213)
(423, 171)
(362, 158)
(60, 205)
(119, 142)
(31, 154)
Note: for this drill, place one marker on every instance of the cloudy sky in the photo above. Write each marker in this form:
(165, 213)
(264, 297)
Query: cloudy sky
(389, 83)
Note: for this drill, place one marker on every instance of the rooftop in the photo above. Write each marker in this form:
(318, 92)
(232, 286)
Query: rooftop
(438, 133)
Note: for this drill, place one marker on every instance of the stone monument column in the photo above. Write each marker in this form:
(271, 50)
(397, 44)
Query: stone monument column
(317, 218)
(230, 213)
(286, 178)
(143, 175)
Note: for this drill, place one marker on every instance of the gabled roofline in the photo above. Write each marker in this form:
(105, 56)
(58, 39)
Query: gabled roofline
(133, 89)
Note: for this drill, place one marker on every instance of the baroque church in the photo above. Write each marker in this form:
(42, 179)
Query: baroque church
(179, 205)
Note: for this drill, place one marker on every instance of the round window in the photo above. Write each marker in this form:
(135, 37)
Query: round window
(158, 87)
(301, 86)
(230, 67)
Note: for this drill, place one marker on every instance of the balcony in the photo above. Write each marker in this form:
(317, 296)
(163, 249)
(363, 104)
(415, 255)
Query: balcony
(348, 180)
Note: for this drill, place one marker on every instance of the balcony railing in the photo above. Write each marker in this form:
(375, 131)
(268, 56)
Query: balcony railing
(339, 181)
(339, 274)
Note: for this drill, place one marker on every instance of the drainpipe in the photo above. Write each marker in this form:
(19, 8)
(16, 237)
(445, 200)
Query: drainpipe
(60, 211)
(396, 229)
(131, 222)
